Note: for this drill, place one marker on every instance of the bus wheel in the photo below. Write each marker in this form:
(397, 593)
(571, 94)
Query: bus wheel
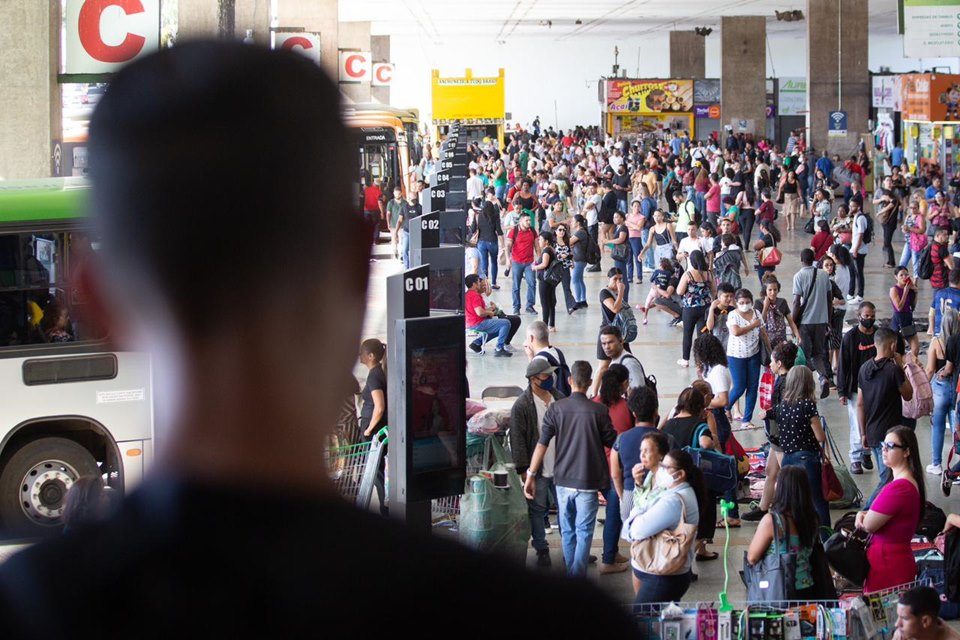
(35, 481)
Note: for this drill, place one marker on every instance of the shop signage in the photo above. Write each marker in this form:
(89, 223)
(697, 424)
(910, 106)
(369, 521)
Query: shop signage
(707, 111)
(468, 97)
(382, 74)
(792, 96)
(931, 28)
(884, 90)
(929, 97)
(837, 124)
(307, 44)
(649, 96)
(103, 35)
(355, 67)
(706, 92)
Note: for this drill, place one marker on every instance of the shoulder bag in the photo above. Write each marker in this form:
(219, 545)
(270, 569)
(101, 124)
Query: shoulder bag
(666, 553)
(773, 579)
(847, 554)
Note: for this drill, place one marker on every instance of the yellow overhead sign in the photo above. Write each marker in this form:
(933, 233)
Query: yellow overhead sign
(468, 98)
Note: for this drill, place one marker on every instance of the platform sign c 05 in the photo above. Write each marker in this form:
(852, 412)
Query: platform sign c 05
(103, 35)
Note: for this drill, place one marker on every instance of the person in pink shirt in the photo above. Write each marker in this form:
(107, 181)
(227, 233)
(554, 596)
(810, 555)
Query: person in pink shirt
(635, 224)
(894, 513)
(713, 198)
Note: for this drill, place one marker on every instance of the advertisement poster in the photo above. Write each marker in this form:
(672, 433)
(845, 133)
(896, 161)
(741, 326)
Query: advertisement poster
(930, 28)
(792, 96)
(914, 96)
(930, 97)
(468, 97)
(884, 92)
(649, 96)
(706, 92)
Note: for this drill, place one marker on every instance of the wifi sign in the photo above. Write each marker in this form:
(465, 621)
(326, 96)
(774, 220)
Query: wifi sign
(837, 123)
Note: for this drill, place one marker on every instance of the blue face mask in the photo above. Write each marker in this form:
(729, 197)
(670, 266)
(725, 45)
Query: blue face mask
(547, 384)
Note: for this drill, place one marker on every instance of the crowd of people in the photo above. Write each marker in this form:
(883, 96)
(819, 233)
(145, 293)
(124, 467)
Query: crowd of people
(548, 208)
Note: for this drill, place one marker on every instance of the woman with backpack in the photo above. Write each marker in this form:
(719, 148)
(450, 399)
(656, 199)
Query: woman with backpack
(660, 238)
(697, 290)
(747, 203)
(580, 251)
(801, 432)
(546, 283)
(789, 527)
(914, 229)
(940, 373)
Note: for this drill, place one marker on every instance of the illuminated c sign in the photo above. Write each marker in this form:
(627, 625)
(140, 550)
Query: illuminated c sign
(101, 35)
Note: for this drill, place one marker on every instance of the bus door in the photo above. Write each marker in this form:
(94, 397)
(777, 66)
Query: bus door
(379, 159)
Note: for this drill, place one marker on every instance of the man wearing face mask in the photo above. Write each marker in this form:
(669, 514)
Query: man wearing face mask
(526, 417)
(856, 348)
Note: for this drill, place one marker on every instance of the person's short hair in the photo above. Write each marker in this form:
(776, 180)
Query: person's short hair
(807, 256)
(471, 280)
(923, 601)
(725, 287)
(866, 304)
(786, 354)
(607, 184)
(884, 336)
(954, 277)
(643, 403)
(744, 294)
(610, 330)
(691, 400)
(162, 189)
(823, 225)
(614, 271)
(538, 331)
(581, 372)
(941, 230)
(660, 441)
(548, 236)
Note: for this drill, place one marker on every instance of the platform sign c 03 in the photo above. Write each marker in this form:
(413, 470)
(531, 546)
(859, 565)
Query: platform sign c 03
(931, 28)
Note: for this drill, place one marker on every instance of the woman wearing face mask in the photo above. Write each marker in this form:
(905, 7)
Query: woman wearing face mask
(682, 488)
(893, 516)
(743, 353)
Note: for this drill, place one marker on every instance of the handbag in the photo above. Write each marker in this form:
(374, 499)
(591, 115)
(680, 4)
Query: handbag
(810, 227)
(830, 484)
(553, 275)
(847, 554)
(620, 252)
(770, 257)
(666, 553)
(773, 579)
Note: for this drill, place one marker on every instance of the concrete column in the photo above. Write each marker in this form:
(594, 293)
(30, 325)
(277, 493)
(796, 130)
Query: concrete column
(380, 48)
(838, 43)
(687, 55)
(199, 19)
(320, 16)
(31, 118)
(743, 93)
(355, 35)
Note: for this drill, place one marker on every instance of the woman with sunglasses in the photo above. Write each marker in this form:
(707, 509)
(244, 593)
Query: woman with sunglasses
(894, 514)
(564, 253)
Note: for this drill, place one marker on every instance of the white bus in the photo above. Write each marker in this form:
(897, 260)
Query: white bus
(69, 405)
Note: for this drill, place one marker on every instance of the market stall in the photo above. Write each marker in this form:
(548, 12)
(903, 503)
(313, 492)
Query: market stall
(478, 103)
(930, 109)
(640, 108)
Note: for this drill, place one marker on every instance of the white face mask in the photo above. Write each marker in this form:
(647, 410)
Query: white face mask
(744, 307)
(663, 479)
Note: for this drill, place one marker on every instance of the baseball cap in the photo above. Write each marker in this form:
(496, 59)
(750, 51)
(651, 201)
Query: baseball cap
(539, 366)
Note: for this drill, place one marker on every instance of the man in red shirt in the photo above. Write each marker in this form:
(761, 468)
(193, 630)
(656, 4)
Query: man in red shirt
(480, 317)
(373, 206)
(520, 243)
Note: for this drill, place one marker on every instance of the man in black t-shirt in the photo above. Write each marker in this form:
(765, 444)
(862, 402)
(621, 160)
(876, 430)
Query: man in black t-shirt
(608, 206)
(882, 384)
(239, 531)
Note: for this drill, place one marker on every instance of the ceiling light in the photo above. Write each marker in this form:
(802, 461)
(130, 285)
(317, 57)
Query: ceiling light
(703, 31)
(789, 16)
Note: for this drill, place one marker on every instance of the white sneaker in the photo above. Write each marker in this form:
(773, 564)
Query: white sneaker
(683, 363)
(934, 469)
(508, 347)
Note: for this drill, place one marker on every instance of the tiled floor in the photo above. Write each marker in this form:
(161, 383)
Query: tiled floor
(658, 347)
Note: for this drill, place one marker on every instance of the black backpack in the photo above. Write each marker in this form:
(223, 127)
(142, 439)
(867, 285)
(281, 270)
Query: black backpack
(562, 373)
(868, 234)
(925, 263)
(932, 521)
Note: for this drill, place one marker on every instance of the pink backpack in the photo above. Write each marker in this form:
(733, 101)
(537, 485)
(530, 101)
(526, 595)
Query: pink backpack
(921, 404)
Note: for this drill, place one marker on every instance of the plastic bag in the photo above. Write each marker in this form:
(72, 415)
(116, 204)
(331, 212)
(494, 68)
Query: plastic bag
(495, 519)
(474, 407)
(483, 423)
(766, 389)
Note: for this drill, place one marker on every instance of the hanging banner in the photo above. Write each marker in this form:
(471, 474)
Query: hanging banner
(884, 90)
(103, 35)
(706, 91)
(930, 28)
(649, 96)
(382, 74)
(305, 43)
(792, 96)
(355, 67)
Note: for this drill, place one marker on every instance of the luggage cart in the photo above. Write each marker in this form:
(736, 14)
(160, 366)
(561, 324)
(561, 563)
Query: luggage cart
(353, 468)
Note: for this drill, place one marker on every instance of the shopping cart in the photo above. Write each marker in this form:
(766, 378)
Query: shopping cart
(353, 468)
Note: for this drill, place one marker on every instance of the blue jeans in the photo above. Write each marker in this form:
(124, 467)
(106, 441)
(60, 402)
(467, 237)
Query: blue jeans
(647, 259)
(907, 255)
(523, 271)
(944, 397)
(654, 589)
(810, 462)
(495, 327)
(612, 525)
(501, 191)
(579, 286)
(700, 200)
(746, 378)
(578, 518)
(626, 281)
(537, 509)
(488, 259)
(636, 245)
(856, 452)
(403, 244)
